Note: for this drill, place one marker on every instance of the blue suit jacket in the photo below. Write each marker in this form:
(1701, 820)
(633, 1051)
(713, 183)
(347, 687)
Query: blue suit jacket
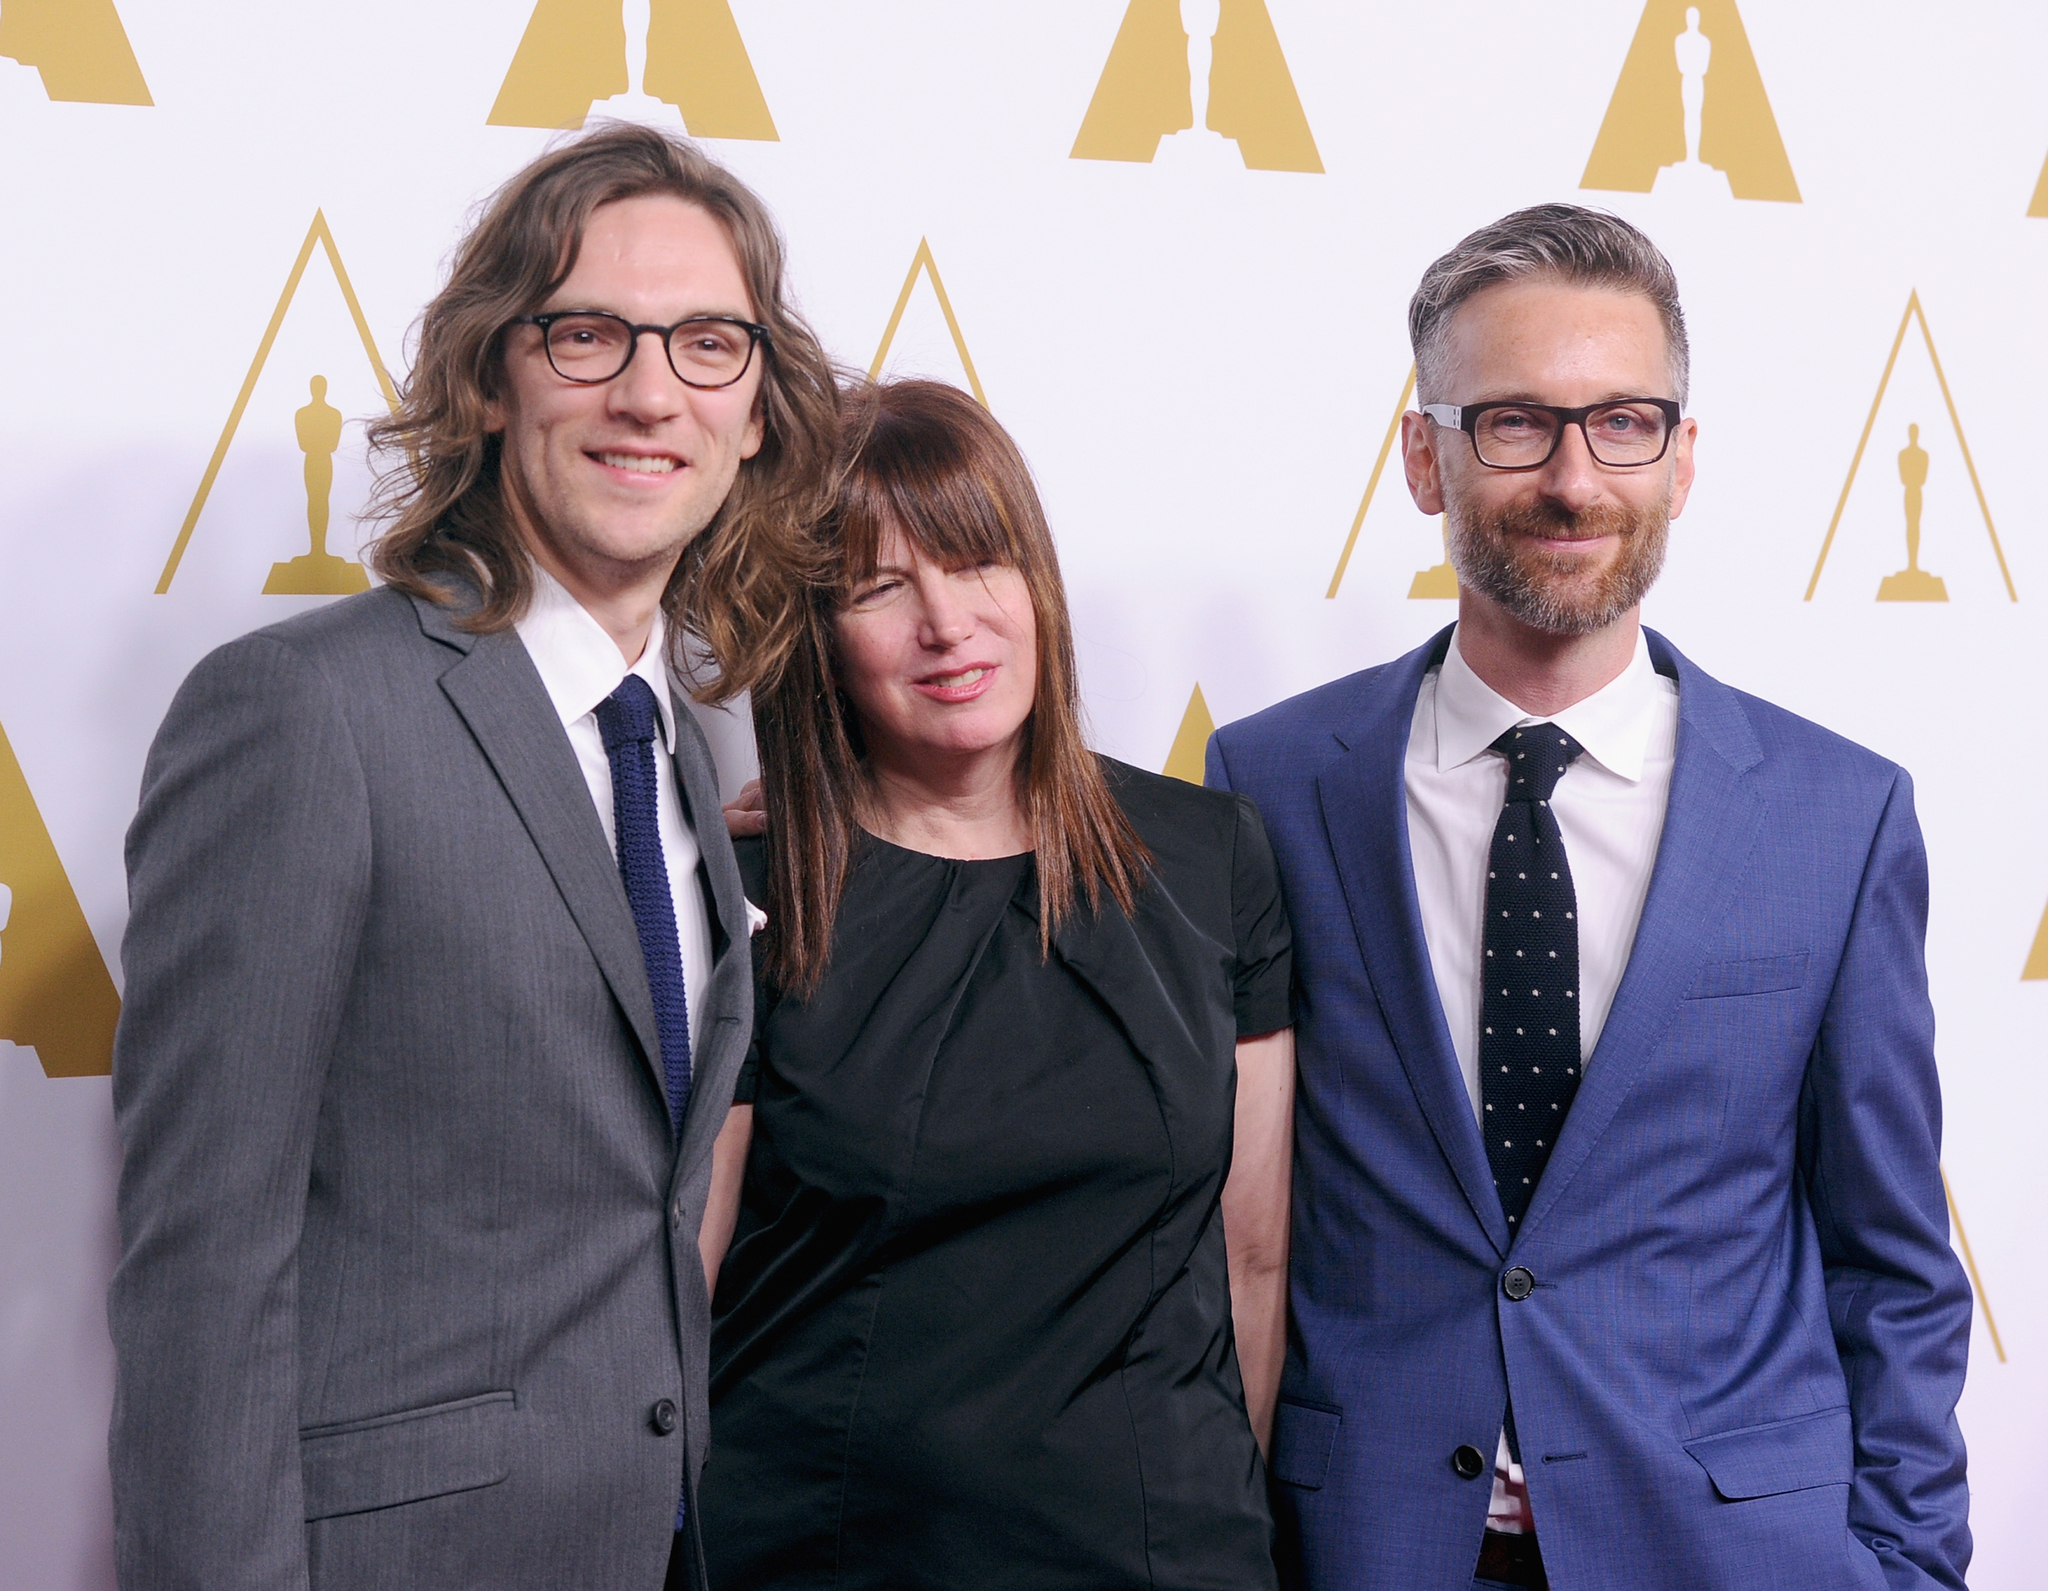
(1740, 1363)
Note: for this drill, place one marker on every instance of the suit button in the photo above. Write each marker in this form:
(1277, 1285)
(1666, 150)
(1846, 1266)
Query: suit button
(1468, 1461)
(663, 1417)
(675, 1215)
(1519, 1283)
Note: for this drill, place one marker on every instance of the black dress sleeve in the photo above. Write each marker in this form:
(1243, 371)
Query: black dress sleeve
(752, 855)
(1264, 975)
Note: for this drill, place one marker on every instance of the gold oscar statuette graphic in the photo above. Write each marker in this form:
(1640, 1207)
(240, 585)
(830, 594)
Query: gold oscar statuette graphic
(2039, 208)
(55, 995)
(1202, 83)
(1911, 584)
(922, 261)
(317, 573)
(632, 58)
(1187, 760)
(79, 47)
(1689, 112)
(1437, 581)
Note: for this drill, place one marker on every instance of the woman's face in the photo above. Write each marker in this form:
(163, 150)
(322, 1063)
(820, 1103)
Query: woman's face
(940, 664)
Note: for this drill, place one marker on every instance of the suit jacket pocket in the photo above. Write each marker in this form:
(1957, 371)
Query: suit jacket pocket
(405, 1457)
(1304, 1434)
(1784, 1456)
(1718, 980)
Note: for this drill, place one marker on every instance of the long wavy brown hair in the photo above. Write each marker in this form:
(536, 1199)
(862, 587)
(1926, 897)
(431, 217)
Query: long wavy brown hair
(924, 459)
(441, 490)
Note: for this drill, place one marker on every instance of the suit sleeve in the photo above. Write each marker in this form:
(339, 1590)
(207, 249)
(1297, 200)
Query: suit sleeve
(249, 877)
(1870, 1148)
(1215, 771)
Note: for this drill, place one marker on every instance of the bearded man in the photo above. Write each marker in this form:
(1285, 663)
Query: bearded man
(1620, 1252)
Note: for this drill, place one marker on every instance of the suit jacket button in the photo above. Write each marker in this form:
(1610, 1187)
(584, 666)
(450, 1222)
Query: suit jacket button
(1519, 1283)
(1468, 1461)
(675, 1215)
(663, 1416)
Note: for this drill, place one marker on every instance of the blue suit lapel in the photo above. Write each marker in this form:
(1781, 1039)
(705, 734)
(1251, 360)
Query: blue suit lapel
(1364, 803)
(1710, 827)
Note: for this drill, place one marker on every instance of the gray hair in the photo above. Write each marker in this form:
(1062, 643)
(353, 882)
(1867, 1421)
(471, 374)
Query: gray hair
(1566, 242)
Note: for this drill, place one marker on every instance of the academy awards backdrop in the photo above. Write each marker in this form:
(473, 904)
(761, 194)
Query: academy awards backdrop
(1169, 243)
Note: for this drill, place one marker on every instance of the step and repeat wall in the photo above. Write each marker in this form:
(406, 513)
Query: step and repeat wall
(1169, 243)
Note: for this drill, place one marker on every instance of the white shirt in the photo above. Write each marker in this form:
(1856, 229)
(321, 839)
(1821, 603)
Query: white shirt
(581, 665)
(1610, 810)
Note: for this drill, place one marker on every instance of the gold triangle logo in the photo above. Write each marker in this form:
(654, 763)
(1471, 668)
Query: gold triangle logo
(319, 428)
(575, 53)
(1173, 57)
(1188, 758)
(922, 261)
(2036, 968)
(1689, 111)
(1434, 583)
(2039, 207)
(1372, 482)
(1912, 584)
(79, 47)
(55, 995)
(1955, 1216)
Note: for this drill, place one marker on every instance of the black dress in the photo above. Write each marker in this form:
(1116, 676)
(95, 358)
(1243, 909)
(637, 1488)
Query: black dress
(974, 1326)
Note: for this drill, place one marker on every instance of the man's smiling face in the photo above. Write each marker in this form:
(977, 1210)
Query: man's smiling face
(1574, 545)
(611, 482)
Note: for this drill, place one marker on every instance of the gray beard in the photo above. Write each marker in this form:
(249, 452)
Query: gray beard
(1538, 587)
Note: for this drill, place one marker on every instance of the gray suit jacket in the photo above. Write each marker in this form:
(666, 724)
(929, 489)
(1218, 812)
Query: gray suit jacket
(409, 1281)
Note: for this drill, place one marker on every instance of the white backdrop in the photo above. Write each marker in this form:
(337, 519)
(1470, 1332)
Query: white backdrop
(1199, 359)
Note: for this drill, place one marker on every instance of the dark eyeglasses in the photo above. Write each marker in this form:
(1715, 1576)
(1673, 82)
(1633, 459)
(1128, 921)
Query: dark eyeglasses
(1623, 434)
(593, 346)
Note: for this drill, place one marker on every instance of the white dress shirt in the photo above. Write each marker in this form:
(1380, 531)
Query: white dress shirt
(1610, 809)
(581, 665)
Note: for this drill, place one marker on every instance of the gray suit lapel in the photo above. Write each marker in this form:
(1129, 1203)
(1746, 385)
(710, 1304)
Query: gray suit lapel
(500, 697)
(697, 778)
(1710, 828)
(711, 1084)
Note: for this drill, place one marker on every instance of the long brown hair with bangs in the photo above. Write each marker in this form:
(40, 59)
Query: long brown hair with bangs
(925, 459)
(441, 492)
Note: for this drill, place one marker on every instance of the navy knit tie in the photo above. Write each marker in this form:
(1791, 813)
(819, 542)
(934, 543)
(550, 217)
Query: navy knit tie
(628, 722)
(1529, 1007)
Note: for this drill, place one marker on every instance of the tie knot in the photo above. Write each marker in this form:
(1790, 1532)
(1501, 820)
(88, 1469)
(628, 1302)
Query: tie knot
(627, 715)
(1537, 758)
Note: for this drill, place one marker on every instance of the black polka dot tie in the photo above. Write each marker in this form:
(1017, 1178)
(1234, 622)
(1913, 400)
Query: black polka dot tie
(1529, 1011)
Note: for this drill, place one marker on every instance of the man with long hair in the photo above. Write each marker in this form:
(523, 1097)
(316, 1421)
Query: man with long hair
(437, 967)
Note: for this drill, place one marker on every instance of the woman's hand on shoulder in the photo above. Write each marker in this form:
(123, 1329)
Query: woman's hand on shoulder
(747, 813)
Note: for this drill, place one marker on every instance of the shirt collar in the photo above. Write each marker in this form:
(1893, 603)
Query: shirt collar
(1615, 724)
(580, 664)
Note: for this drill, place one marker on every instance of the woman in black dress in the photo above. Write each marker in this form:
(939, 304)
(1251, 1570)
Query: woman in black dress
(1023, 1057)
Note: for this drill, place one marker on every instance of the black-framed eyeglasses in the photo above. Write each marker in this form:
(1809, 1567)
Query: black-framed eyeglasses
(1623, 434)
(593, 346)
